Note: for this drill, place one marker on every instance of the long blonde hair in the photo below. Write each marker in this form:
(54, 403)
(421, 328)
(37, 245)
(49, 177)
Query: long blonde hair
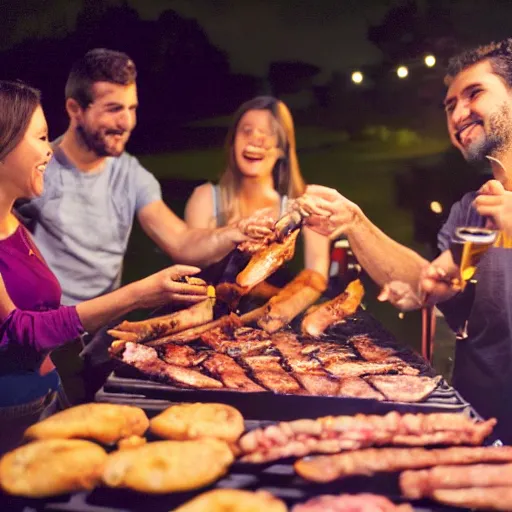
(287, 176)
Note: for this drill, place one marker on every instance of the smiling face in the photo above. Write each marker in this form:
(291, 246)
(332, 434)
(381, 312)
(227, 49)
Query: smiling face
(255, 145)
(478, 108)
(106, 124)
(23, 168)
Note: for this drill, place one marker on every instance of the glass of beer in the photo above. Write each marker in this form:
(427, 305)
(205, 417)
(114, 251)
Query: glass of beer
(468, 246)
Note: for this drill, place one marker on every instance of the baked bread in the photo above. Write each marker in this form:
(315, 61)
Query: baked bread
(168, 466)
(51, 467)
(106, 423)
(198, 421)
(233, 500)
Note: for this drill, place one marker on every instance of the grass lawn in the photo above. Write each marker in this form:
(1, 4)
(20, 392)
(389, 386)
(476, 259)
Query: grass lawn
(362, 171)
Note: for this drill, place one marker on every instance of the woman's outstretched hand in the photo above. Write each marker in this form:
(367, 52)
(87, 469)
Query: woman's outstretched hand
(170, 285)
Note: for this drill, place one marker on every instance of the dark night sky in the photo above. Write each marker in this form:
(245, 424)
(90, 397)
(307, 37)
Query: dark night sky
(328, 33)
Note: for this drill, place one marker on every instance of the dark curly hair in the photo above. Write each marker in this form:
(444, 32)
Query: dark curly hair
(498, 54)
(98, 65)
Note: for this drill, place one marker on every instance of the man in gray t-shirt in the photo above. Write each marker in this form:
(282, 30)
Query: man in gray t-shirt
(94, 189)
(83, 221)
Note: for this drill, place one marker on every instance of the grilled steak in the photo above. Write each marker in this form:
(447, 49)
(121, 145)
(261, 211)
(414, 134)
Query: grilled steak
(146, 360)
(269, 373)
(354, 387)
(307, 371)
(404, 388)
(369, 350)
(230, 373)
(181, 355)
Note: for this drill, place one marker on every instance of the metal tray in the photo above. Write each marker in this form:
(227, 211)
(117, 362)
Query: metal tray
(271, 406)
(277, 478)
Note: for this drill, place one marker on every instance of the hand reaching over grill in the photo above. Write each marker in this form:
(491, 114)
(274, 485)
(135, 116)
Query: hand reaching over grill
(259, 225)
(327, 211)
(170, 285)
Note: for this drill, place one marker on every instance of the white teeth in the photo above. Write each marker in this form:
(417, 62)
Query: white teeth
(41, 167)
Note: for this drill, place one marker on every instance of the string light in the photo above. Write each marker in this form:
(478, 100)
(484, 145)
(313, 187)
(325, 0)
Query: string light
(357, 77)
(430, 61)
(402, 71)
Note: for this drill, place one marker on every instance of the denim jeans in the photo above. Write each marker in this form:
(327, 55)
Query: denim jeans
(14, 420)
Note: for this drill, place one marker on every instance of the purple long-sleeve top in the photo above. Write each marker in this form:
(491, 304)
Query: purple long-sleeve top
(39, 323)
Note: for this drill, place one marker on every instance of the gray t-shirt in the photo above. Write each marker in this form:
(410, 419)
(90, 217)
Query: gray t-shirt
(82, 222)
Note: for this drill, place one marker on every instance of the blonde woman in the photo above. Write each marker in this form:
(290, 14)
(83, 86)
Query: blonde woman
(262, 172)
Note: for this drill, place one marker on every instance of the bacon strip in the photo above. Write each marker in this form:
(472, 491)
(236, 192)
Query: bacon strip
(351, 503)
(146, 330)
(418, 484)
(486, 498)
(327, 468)
(335, 310)
(334, 434)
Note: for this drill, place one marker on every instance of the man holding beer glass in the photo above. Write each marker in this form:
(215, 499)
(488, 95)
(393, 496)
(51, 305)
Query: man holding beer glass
(478, 107)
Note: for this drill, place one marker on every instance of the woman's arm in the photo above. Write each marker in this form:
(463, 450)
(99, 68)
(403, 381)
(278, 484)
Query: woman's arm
(45, 330)
(199, 210)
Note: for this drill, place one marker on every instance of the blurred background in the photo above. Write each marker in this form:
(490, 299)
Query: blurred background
(363, 79)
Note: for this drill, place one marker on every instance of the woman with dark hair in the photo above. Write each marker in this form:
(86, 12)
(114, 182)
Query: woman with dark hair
(32, 321)
(262, 172)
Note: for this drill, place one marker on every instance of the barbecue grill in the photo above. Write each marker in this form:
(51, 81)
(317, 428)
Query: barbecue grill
(259, 409)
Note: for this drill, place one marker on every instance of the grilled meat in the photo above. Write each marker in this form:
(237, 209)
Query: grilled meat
(354, 387)
(266, 261)
(230, 321)
(268, 371)
(230, 373)
(181, 355)
(404, 388)
(333, 434)
(307, 371)
(146, 360)
(351, 503)
(335, 310)
(370, 350)
(295, 297)
(480, 485)
(327, 468)
(146, 330)
(347, 369)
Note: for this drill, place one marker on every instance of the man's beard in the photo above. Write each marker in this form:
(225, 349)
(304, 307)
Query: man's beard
(96, 141)
(497, 141)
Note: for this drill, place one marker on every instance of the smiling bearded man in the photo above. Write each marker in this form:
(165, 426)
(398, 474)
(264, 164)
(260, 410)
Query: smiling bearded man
(478, 107)
(94, 189)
